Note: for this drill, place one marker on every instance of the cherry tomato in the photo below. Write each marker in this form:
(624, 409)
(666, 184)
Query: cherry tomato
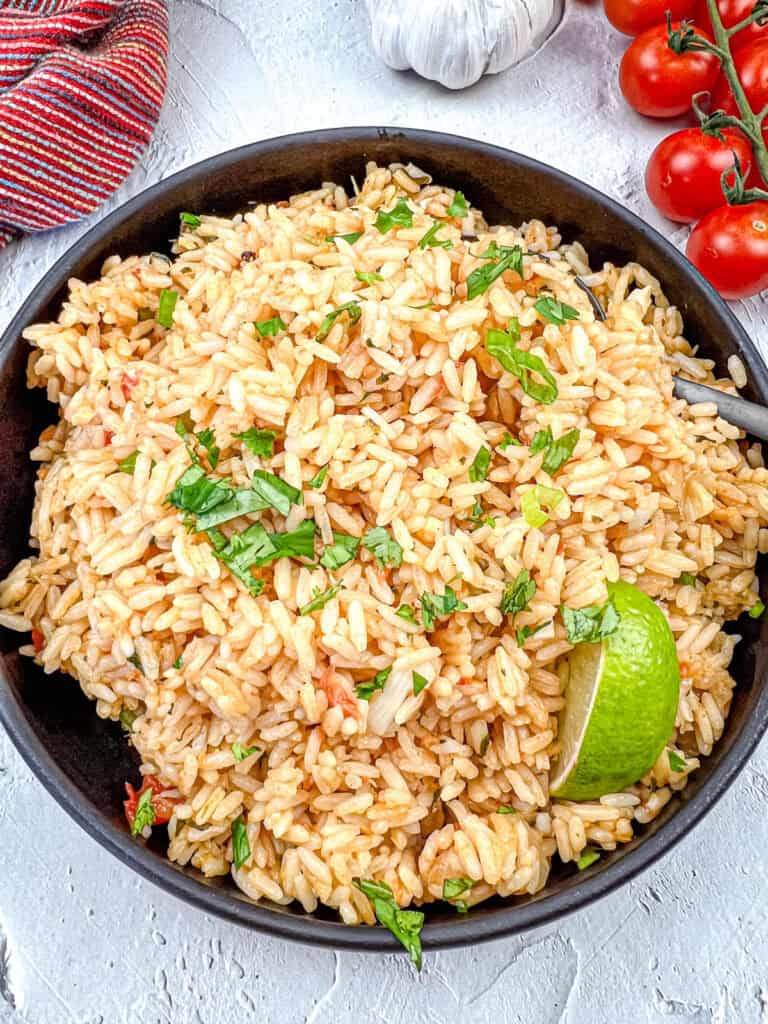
(752, 67)
(731, 11)
(634, 16)
(162, 805)
(683, 175)
(660, 83)
(730, 248)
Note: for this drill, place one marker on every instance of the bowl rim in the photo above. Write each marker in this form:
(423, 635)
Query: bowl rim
(506, 921)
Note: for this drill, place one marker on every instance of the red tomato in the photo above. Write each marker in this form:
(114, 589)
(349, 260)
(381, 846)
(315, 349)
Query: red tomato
(660, 83)
(730, 248)
(38, 640)
(683, 175)
(634, 16)
(731, 11)
(752, 67)
(163, 805)
(337, 693)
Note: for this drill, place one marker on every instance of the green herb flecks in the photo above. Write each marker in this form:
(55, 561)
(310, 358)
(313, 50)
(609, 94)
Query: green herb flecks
(406, 612)
(383, 547)
(536, 500)
(320, 599)
(260, 442)
(756, 610)
(676, 763)
(481, 463)
(127, 717)
(242, 502)
(241, 847)
(350, 238)
(128, 465)
(166, 307)
(208, 440)
(368, 278)
(135, 660)
(270, 328)
(508, 441)
(353, 311)
(278, 494)
(343, 550)
(518, 594)
(459, 206)
(502, 345)
(587, 858)
(481, 279)
(455, 887)
(686, 579)
(524, 633)
(196, 493)
(190, 220)
(560, 451)
(542, 439)
(405, 925)
(239, 752)
(178, 663)
(400, 216)
(431, 241)
(439, 606)
(590, 625)
(318, 479)
(419, 682)
(366, 690)
(144, 816)
(243, 552)
(555, 311)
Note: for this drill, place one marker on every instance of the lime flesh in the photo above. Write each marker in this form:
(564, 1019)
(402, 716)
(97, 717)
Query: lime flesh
(621, 701)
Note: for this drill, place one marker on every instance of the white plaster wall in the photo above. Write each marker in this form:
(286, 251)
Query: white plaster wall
(83, 940)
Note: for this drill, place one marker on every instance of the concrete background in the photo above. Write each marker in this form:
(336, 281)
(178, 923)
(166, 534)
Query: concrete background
(82, 939)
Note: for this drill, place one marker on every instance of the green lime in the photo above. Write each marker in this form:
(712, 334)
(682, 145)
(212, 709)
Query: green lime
(621, 701)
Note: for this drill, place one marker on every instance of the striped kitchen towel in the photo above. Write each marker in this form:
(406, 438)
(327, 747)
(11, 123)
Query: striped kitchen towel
(81, 86)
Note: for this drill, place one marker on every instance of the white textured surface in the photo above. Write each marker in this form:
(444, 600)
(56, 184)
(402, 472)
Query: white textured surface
(82, 939)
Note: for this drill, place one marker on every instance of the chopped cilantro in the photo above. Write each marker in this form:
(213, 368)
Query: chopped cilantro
(241, 847)
(686, 579)
(587, 858)
(542, 439)
(560, 451)
(195, 493)
(135, 660)
(190, 219)
(128, 465)
(177, 663)
(519, 594)
(343, 550)
(353, 311)
(383, 547)
(366, 690)
(481, 279)
(508, 441)
(320, 599)
(431, 241)
(590, 625)
(240, 752)
(478, 471)
(555, 311)
(241, 503)
(405, 925)
(350, 239)
(502, 345)
(208, 440)
(276, 492)
(166, 307)
(400, 216)
(245, 550)
(318, 479)
(757, 609)
(419, 682)
(144, 816)
(439, 606)
(260, 442)
(676, 763)
(127, 717)
(368, 278)
(535, 500)
(270, 328)
(459, 207)
(453, 887)
(524, 633)
(406, 612)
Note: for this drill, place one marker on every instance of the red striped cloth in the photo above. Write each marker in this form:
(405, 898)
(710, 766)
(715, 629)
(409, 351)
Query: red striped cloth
(81, 86)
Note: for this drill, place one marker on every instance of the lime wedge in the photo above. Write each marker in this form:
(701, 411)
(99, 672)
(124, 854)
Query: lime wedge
(621, 701)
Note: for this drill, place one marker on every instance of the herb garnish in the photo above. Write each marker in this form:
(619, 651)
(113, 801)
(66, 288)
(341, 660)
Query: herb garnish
(506, 810)
(240, 752)
(541, 439)
(260, 442)
(366, 690)
(590, 625)
(439, 606)
(383, 547)
(554, 310)
(320, 599)
(241, 503)
(478, 471)
(502, 345)
(686, 579)
(144, 815)
(481, 279)
(419, 682)
(164, 315)
(453, 887)
(135, 660)
(431, 241)
(177, 663)
(350, 239)
(208, 440)
(459, 207)
(523, 633)
(406, 612)
(241, 847)
(243, 551)
(756, 610)
(519, 594)
(190, 219)
(128, 465)
(195, 493)
(400, 216)
(317, 480)
(353, 311)
(676, 763)
(127, 717)
(276, 492)
(535, 500)
(587, 858)
(368, 278)
(508, 441)
(560, 451)
(343, 550)
(405, 925)
(270, 328)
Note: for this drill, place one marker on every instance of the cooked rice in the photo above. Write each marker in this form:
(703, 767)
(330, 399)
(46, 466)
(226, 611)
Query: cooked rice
(403, 790)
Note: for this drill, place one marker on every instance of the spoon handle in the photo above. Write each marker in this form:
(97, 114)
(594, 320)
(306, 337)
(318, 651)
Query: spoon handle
(741, 413)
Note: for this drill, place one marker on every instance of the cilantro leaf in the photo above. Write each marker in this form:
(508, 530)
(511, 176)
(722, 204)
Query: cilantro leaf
(407, 613)
(276, 492)
(353, 311)
(459, 206)
(686, 579)
(164, 315)
(453, 887)
(439, 606)
(260, 442)
(128, 465)
(431, 241)
(524, 632)
(508, 441)
(190, 219)
(321, 599)
(270, 328)
(195, 493)
(351, 238)
(241, 503)
(241, 847)
(481, 463)
(366, 690)
(518, 595)
(144, 815)
(560, 451)
(405, 925)
(240, 752)
(245, 550)
(502, 346)
(419, 682)
(298, 543)
(383, 547)
(536, 499)
(587, 858)
(400, 216)
(368, 278)
(590, 625)
(343, 550)
(177, 663)
(127, 717)
(506, 810)
(756, 610)
(541, 439)
(318, 479)
(481, 279)
(555, 311)
(208, 440)
(676, 763)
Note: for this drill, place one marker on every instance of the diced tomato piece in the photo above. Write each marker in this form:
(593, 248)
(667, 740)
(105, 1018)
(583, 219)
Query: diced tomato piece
(38, 640)
(108, 435)
(163, 805)
(128, 383)
(337, 693)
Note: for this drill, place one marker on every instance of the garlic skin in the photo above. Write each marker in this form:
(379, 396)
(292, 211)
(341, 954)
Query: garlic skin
(455, 42)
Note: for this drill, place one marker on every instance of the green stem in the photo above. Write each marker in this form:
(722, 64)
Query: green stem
(751, 124)
(745, 23)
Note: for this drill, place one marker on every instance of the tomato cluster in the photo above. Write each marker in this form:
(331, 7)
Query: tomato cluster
(729, 244)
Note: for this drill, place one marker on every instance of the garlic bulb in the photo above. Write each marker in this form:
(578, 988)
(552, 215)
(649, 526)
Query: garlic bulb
(455, 42)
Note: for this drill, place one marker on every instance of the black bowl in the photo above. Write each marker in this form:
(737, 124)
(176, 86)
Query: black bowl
(83, 761)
